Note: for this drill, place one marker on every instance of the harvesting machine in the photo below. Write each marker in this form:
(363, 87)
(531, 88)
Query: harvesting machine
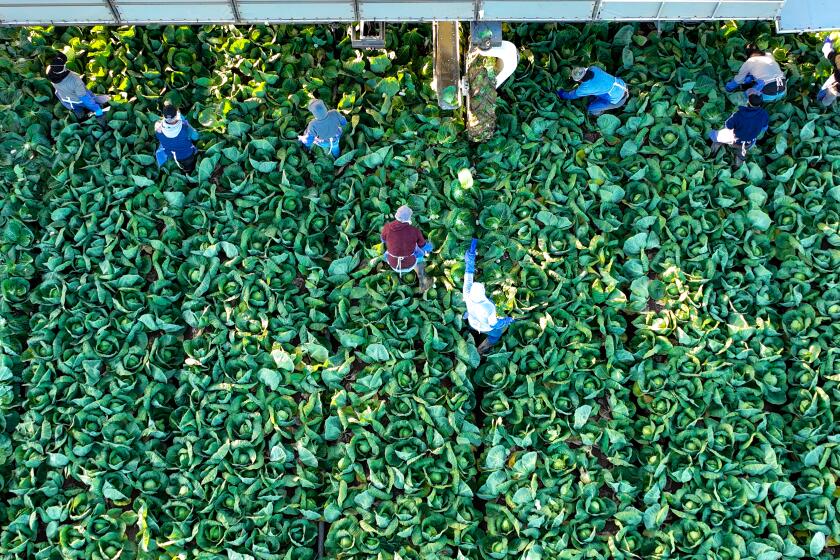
(488, 63)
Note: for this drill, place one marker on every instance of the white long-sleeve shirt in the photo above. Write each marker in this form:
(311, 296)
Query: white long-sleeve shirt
(481, 312)
(764, 68)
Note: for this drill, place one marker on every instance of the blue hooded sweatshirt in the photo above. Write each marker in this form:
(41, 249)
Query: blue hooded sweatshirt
(326, 124)
(600, 84)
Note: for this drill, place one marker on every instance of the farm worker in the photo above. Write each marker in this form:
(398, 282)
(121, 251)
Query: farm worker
(761, 72)
(72, 92)
(744, 127)
(830, 90)
(325, 129)
(405, 246)
(176, 138)
(481, 312)
(609, 91)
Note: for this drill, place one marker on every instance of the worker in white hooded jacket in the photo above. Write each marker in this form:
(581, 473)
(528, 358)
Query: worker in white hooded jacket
(481, 312)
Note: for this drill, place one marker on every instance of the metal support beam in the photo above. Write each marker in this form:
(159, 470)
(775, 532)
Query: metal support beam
(114, 11)
(717, 6)
(596, 9)
(659, 13)
(234, 8)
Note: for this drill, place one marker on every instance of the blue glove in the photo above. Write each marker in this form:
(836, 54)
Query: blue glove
(420, 252)
(563, 94)
(470, 261)
(731, 86)
(89, 103)
(469, 257)
(821, 94)
(161, 156)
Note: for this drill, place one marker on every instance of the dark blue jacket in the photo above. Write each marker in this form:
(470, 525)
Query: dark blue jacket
(181, 145)
(748, 123)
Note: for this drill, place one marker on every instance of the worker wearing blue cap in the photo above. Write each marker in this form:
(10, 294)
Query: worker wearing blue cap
(609, 91)
(743, 128)
(325, 129)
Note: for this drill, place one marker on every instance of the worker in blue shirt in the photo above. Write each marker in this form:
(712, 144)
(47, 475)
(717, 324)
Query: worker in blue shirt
(325, 129)
(743, 128)
(72, 92)
(176, 138)
(761, 72)
(609, 91)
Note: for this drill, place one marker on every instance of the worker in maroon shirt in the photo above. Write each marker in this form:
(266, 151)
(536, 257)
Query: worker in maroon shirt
(405, 246)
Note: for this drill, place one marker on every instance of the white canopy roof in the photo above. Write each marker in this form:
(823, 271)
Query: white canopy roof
(791, 15)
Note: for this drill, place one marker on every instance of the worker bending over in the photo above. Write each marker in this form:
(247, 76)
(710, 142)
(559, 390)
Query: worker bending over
(481, 312)
(743, 128)
(176, 138)
(830, 90)
(325, 129)
(609, 91)
(405, 247)
(761, 72)
(72, 92)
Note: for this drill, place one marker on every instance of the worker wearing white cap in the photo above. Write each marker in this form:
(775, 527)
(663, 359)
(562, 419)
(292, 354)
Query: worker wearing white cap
(481, 312)
(830, 90)
(760, 72)
(609, 91)
(405, 246)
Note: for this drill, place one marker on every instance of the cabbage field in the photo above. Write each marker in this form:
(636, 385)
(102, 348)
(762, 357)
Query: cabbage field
(220, 365)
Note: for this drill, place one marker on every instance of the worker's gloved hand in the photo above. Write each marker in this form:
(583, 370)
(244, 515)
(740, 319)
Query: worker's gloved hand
(821, 94)
(731, 86)
(161, 156)
(420, 252)
(469, 257)
(563, 94)
(306, 140)
(505, 322)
